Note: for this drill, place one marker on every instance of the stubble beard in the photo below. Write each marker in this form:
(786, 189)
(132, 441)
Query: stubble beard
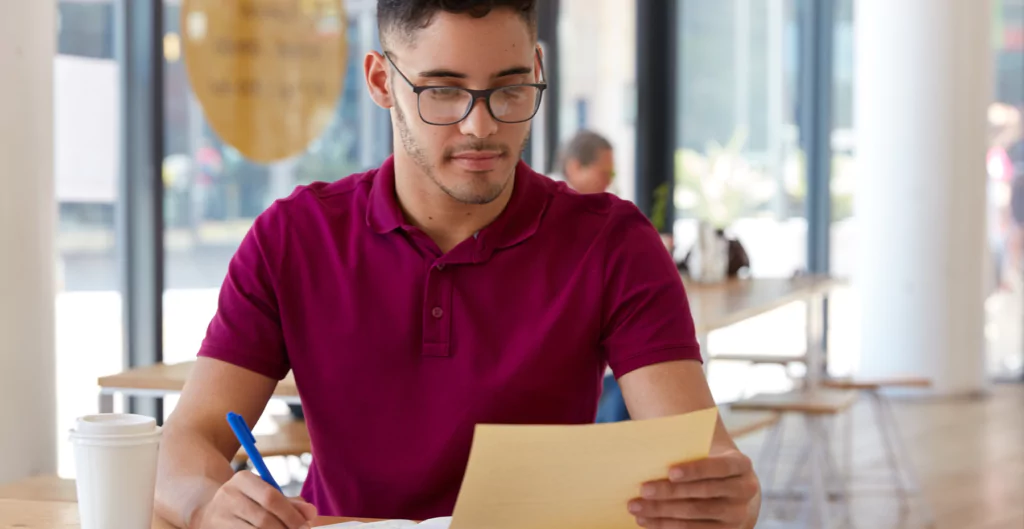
(470, 197)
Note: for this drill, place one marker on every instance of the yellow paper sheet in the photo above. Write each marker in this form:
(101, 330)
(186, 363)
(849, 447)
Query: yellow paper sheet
(573, 477)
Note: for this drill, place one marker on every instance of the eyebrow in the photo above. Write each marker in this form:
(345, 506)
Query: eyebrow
(443, 73)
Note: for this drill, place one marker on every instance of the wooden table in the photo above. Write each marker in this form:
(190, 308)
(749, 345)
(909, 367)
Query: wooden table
(719, 305)
(28, 514)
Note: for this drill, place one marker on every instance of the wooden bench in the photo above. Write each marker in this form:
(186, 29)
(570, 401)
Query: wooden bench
(901, 469)
(760, 359)
(290, 439)
(815, 406)
(876, 383)
(810, 402)
(741, 423)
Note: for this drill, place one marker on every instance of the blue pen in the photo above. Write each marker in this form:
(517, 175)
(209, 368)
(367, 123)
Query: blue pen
(244, 435)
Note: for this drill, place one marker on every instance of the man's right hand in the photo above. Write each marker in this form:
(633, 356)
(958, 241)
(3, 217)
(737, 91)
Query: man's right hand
(246, 501)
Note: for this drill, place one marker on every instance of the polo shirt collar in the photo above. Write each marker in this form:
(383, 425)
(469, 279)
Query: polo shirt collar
(382, 211)
(519, 220)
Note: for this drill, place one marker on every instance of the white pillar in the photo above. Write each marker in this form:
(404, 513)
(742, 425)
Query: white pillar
(27, 213)
(923, 78)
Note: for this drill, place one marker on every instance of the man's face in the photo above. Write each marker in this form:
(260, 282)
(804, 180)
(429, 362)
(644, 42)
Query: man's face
(592, 178)
(474, 160)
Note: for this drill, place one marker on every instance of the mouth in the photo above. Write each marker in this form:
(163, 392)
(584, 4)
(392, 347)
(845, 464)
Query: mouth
(477, 160)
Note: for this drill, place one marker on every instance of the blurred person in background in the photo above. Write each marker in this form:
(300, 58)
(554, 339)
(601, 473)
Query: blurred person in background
(588, 162)
(1015, 153)
(588, 166)
(1005, 163)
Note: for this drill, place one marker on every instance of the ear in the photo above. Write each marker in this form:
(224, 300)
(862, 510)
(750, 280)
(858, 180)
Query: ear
(375, 69)
(539, 57)
(572, 167)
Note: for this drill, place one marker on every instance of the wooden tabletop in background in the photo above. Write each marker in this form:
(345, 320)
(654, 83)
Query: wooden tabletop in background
(718, 305)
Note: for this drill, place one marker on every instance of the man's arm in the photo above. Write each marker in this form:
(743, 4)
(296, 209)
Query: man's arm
(673, 388)
(198, 446)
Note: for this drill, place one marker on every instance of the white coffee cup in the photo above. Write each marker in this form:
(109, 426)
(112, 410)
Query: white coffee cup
(115, 463)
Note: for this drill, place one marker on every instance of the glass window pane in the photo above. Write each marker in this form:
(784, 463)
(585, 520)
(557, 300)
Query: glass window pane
(213, 193)
(1005, 304)
(739, 163)
(86, 166)
(597, 92)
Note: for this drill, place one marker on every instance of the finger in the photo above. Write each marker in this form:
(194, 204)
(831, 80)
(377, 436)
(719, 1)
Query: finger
(272, 501)
(667, 523)
(250, 512)
(715, 510)
(308, 510)
(740, 487)
(715, 467)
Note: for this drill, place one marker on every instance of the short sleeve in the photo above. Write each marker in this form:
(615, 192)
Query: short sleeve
(246, 330)
(645, 315)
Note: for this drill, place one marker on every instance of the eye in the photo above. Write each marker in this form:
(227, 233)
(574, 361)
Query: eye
(444, 93)
(515, 93)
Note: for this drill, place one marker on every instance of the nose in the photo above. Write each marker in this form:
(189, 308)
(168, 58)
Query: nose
(479, 123)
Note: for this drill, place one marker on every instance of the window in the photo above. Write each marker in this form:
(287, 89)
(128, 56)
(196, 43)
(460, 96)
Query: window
(86, 29)
(739, 164)
(1005, 303)
(87, 164)
(598, 79)
(212, 193)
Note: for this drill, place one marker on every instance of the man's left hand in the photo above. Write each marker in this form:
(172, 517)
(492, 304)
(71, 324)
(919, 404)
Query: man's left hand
(712, 493)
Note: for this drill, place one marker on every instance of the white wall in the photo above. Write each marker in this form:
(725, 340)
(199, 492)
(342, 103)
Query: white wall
(922, 88)
(27, 213)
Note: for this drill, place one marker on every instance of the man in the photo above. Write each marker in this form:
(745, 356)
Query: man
(449, 287)
(587, 162)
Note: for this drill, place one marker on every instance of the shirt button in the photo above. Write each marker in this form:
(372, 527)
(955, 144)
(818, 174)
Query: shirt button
(437, 312)
(440, 266)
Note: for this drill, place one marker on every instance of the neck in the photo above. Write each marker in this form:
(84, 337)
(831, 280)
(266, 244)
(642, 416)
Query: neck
(445, 220)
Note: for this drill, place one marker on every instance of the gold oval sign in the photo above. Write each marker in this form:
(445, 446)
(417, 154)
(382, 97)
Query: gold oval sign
(268, 73)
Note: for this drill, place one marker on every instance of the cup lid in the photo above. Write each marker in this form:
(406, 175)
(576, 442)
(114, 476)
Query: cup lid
(115, 424)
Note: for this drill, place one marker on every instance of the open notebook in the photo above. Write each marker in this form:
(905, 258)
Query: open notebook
(433, 523)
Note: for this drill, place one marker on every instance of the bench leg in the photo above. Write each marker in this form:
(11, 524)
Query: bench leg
(768, 460)
(817, 461)
(904, 473)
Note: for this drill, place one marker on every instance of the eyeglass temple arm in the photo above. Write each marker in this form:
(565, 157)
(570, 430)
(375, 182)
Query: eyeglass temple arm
(540, 61)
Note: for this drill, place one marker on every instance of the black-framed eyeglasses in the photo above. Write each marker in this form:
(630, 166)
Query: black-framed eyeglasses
(448, 105)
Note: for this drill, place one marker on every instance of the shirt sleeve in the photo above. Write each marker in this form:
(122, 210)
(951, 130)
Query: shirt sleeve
(645, 315)
(246, 330)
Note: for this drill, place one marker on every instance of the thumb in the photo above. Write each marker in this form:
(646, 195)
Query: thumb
(307, 510)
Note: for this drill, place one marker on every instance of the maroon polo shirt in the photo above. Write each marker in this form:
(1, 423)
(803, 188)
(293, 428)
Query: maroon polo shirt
(399, 350)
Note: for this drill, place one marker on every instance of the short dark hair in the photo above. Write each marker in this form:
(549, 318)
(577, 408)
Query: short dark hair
(407, 16)
(584, 147)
